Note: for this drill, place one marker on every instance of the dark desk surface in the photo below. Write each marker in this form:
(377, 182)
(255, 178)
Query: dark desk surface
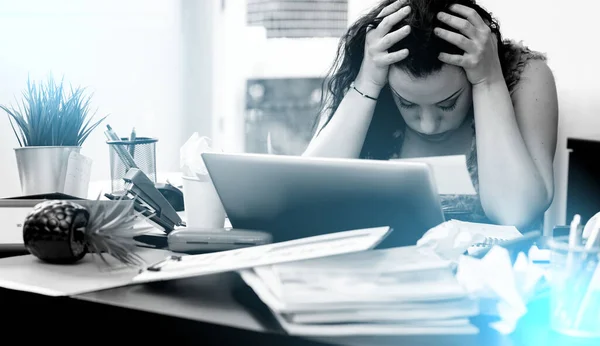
(210, 300)
(204, 299)
(207, 310)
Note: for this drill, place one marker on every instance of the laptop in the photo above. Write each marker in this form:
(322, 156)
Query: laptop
(293, 197)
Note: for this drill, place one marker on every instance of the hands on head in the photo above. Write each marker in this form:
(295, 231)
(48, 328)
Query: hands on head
(480, 59)
(379, 39)
(474, 44)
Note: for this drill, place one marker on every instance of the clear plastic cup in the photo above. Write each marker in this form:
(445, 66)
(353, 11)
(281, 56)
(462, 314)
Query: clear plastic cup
(575, 289)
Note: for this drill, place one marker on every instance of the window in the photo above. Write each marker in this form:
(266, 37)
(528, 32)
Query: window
(299, 18)
(275, 55)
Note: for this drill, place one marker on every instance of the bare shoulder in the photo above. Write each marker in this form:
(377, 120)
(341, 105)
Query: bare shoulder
(537, 78)
(535, 96)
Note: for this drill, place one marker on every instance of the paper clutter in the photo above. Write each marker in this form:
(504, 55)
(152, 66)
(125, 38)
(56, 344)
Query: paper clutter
(78, 174)
(453, 238)
(495, 280)
(449, 240)
(191, 162)
(395, 291)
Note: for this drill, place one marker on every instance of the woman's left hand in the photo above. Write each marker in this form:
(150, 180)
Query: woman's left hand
(480, 60)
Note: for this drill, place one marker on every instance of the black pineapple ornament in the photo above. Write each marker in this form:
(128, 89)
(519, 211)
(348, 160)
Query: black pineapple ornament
(55, 231)
(62, 232)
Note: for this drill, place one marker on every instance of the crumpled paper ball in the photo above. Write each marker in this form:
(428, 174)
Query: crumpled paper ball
(494, 279)
(190, 156)
(503, 289)
(449, 240)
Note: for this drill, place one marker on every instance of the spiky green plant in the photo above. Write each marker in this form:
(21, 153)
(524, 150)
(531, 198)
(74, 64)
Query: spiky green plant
(50, 115)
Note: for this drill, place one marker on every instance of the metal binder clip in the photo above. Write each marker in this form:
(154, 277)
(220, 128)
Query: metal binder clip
(149, 201)
(157, 266)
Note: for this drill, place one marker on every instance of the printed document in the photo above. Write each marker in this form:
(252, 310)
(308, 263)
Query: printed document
(450, 173)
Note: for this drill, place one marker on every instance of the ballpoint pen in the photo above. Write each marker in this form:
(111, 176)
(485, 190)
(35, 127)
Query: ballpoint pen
(121, 152)
(594, 238)
(132, 143)
(110, 133)
(592, 223)
(593, 284)
(574, 240)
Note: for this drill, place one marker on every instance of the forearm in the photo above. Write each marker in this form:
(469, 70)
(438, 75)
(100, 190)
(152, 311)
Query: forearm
(345, 134)
(511, 187)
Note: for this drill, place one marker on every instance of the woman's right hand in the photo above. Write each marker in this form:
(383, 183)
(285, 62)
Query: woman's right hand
(374, 69)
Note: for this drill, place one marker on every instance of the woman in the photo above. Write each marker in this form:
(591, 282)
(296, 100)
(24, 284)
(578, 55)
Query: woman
(417, 78)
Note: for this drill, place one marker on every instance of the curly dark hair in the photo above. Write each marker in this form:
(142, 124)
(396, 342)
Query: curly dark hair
(424, 48)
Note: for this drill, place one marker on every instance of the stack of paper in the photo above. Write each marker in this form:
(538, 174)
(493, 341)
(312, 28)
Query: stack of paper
(396, 291)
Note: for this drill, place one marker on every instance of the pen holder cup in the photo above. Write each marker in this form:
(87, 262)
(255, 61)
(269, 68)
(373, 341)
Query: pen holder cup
(143, 152)
(575, 289)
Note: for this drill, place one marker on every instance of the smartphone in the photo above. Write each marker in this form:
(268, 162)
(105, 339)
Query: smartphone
(198, 240)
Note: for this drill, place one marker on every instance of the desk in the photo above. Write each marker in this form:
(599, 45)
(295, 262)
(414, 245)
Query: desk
(203, 311)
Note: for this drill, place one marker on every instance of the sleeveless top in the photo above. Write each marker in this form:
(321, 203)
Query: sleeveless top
(468, 207)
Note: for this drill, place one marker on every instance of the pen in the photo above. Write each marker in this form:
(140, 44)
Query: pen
(592, 242)
(574, 231)
(590, 225)
(593, 239)
(586, 282)
(111, 133)
(574, 240)
(585, 305)
(121, 152)
(132, 144)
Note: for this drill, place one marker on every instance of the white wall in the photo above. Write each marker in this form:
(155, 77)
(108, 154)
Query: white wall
(235, 49)
(127, 52)
(201, 34)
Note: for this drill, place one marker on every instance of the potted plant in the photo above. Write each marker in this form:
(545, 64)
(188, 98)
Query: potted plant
(50, 123)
